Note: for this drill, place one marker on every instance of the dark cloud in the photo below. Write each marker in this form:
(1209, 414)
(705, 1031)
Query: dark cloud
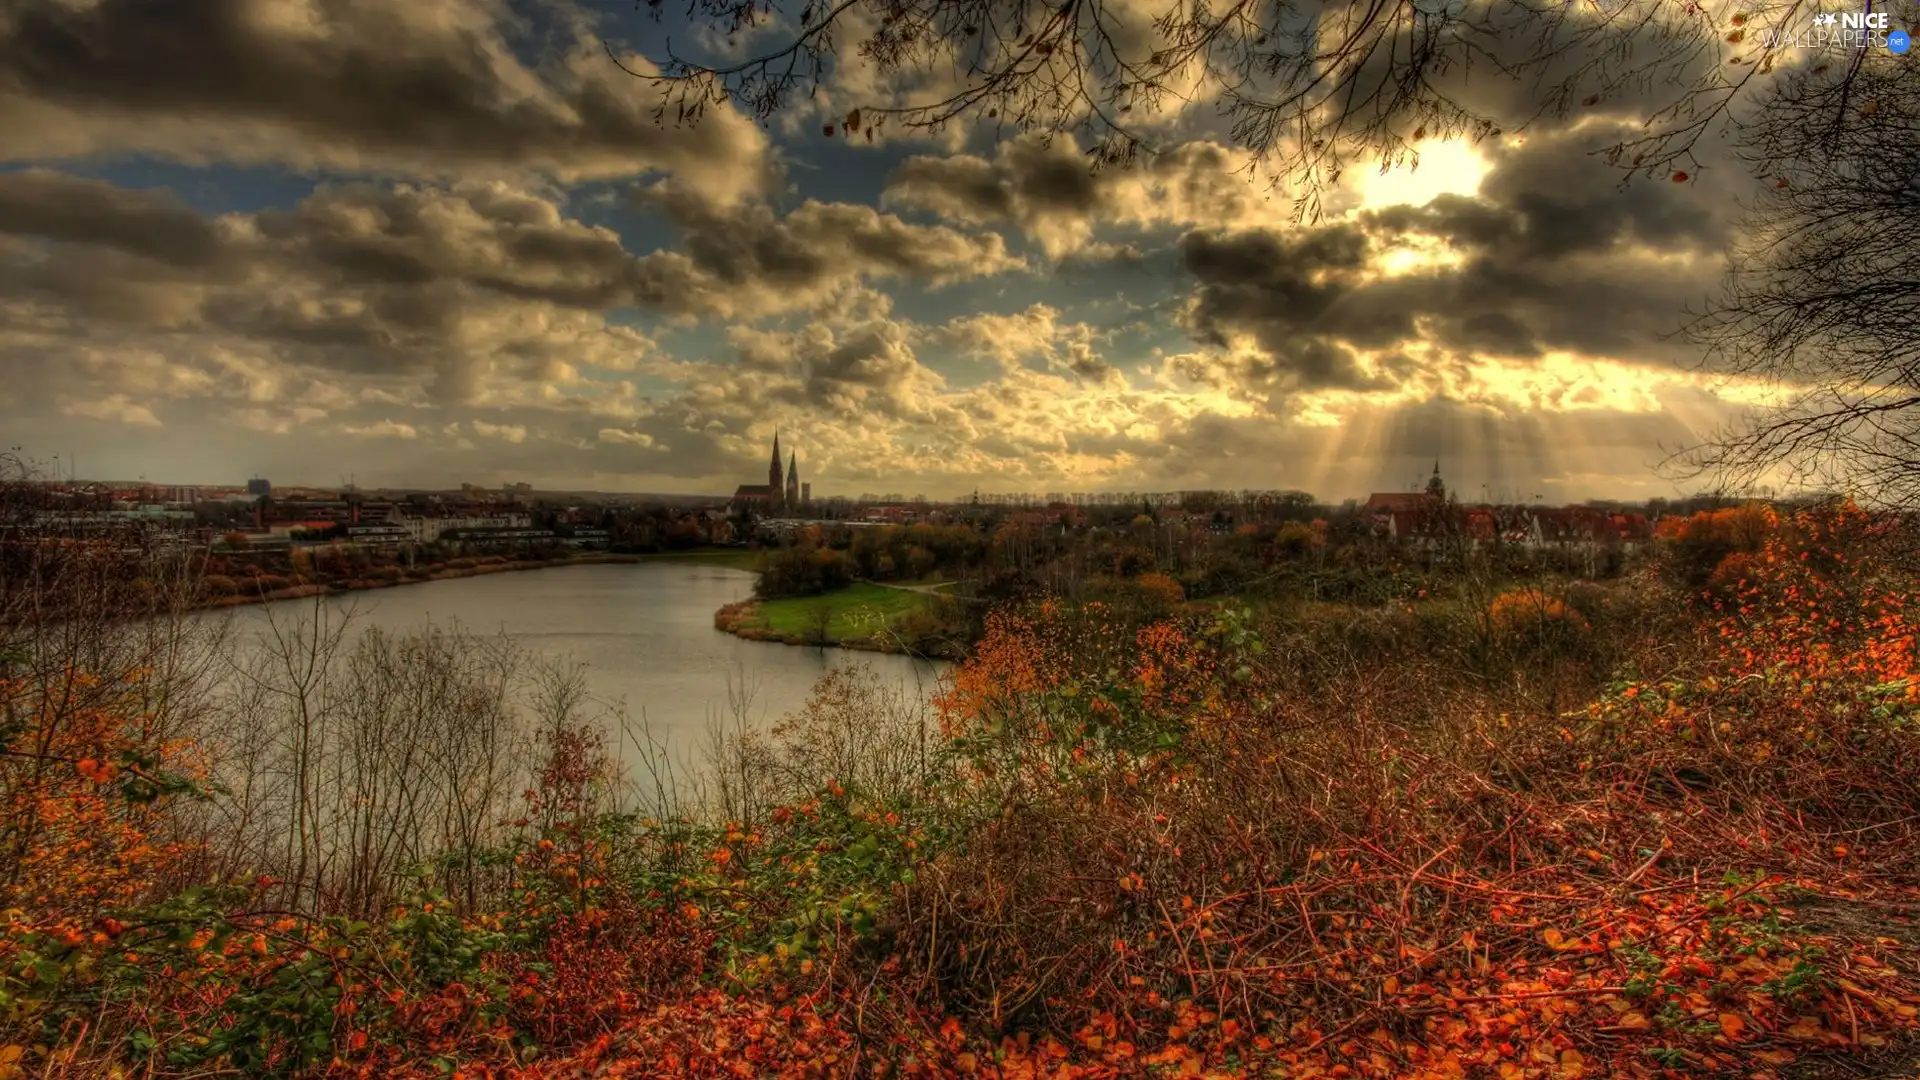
(1287, 292)
(749, 259)
(1027, 177)
(490, 236)
(456, 281)
(1053, 192)
(429, 85)
(151, 224)
(1551, 254)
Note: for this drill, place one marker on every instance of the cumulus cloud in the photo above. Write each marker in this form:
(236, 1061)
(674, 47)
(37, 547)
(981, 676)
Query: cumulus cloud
(429, 87)
(513, 433)
(116, 409)
(629, 438)
(482, 293)
(382, 429)
(1054, 193)
(842, 364)
(1549, 256)
(752, 260)
(1037, 334)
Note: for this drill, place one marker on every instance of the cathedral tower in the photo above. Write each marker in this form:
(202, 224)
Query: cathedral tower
(775, 488)
(793, 479)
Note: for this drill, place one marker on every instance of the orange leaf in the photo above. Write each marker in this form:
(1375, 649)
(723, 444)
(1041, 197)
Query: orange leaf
(1731, 1025)
(1572, 1064)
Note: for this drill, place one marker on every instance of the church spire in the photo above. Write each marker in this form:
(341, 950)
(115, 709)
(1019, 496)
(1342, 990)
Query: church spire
(774, 485)
(793, 478)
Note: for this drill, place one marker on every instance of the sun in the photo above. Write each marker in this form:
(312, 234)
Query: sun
(1442, 168)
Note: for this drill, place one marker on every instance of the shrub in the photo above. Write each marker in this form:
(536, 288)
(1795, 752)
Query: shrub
(1733, 574)
(1702, 542)
(1529, 612)
(1160, 589)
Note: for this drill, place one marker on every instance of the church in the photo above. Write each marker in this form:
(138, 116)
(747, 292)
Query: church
(783, 493)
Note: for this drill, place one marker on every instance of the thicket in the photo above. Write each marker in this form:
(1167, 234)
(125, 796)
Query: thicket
(1636, 828)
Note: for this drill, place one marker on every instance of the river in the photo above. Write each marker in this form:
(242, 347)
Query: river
(643, 630)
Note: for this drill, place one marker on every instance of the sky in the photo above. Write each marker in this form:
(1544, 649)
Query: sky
(447, 241)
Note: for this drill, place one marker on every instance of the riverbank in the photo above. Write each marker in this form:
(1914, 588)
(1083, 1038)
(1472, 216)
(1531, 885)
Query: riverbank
(864, 616)
(732, 558)
(448, 573)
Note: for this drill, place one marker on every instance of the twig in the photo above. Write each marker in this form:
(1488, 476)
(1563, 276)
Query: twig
(1666, 845)
(1406, 890)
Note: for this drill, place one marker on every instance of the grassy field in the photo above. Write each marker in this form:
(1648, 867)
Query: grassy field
(856, 611)
(733, 558)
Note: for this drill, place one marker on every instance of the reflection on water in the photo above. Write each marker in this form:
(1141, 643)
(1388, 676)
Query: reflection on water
(645, 632)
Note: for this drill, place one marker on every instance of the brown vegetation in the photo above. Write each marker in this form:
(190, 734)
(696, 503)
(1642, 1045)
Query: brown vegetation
(1562, 831)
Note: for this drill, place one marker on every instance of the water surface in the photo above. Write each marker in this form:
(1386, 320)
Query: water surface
(644, 631)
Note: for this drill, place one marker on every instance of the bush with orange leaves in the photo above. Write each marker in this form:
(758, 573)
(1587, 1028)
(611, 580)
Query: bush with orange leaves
(1532, 612)
(81, 834)
(1536, 626)
(1700, 543)
(1328, 886)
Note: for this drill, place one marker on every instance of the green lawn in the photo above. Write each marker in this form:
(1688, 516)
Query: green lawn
(734, 558)
(856, 611)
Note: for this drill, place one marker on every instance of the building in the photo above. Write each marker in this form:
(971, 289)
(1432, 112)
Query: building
(1399, 502)
(376, 535)
(783, 493)
(260, 488)
(429, 529)
(496, 538)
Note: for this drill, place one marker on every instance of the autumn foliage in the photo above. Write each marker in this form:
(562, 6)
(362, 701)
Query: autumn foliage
(1129, 845)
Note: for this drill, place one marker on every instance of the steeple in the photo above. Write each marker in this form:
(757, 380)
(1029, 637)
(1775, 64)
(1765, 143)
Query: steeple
(774, 484)
(1435, 486)
(793, 478)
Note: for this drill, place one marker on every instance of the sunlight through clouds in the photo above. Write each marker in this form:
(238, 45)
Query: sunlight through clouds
(1440, 168)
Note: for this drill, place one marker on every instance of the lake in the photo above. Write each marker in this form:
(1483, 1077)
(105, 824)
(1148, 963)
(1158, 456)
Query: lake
(643, 630)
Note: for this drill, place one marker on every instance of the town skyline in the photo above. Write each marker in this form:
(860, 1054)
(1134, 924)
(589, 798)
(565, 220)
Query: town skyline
(218, 488)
